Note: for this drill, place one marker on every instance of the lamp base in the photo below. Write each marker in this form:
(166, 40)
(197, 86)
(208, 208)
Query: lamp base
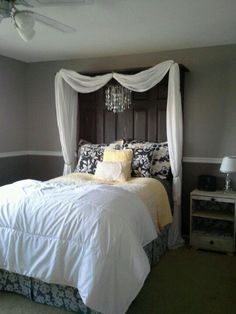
(228, 187)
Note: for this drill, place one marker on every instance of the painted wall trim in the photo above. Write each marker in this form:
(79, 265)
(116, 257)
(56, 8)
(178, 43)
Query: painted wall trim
(204, 160)
(13, 154)
(44, 153)
(31, 152)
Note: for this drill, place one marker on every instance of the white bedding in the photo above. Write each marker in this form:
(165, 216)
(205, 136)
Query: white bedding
(80, 235)
(152, 192)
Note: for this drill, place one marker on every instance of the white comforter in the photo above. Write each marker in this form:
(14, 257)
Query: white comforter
(85, 236)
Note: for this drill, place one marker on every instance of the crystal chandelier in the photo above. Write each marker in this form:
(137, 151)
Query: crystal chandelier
(117, 98)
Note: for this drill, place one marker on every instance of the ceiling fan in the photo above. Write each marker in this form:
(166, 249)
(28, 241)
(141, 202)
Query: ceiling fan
(24, 20)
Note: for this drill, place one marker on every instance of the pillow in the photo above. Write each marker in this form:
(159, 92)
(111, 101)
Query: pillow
(90, 154)
(113, 171)
(141, 163)
(82, 142)
(118, 155)
(160, 167)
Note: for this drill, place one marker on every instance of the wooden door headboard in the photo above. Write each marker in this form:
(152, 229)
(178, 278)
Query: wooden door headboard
(145, 120)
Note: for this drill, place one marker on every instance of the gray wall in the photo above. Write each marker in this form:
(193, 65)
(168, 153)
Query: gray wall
(13, 107)
(13, 119)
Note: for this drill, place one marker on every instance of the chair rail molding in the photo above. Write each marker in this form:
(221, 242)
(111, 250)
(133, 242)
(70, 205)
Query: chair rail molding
(31, 153)
(202, 160)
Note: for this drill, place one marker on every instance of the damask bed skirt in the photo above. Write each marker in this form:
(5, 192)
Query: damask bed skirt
(62, 296)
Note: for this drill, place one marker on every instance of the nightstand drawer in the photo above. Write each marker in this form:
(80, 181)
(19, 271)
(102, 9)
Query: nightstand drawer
(211, 242)
(213, 199)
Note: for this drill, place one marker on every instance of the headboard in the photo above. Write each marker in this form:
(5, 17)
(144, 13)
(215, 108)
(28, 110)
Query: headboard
(145, 120)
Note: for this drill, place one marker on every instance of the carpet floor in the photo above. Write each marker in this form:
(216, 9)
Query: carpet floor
(184, 282)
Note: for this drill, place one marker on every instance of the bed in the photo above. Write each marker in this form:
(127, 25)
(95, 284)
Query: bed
(145, 215)
(48, 271)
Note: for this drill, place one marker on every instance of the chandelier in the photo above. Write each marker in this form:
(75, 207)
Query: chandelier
(117, 98)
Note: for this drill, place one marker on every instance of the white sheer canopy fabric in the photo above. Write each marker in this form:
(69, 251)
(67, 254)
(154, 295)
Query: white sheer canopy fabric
(67, 121)
(68, 83)
(174, 126)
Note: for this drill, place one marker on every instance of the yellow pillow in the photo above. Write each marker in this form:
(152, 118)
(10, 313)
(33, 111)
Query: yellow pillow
(113, 171)
(115, 155)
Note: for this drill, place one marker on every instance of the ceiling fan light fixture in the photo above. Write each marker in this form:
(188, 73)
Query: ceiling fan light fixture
(24, 20)
(26, 34)
(24, 23)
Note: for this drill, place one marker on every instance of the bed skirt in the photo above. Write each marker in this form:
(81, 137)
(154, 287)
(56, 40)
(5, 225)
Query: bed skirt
(62, 296)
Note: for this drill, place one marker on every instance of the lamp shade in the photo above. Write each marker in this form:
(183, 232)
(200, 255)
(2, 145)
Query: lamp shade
(228, 164)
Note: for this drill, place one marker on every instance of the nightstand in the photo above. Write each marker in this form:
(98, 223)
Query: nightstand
(212, 220)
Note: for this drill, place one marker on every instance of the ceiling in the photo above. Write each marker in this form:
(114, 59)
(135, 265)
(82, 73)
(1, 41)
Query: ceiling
(120, 27)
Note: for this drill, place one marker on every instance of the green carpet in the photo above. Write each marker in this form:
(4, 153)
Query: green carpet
(184, 282)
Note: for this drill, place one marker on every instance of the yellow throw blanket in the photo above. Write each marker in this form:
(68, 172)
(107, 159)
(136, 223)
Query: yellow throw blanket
(151, 191)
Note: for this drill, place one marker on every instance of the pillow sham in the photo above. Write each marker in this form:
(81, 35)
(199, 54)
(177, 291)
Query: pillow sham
(141, 163)
(89, 155)
(81, 143)
(113, 171)
(160, 165)
(124, 155)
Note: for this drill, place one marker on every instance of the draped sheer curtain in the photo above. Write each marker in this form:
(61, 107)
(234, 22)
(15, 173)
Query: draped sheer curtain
(68, 83)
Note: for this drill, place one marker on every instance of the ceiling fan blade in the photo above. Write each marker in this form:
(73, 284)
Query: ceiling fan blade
(23, 2)
(39, 3)
(52, 23)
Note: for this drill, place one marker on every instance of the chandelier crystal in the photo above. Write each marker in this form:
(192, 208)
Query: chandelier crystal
(117, 98)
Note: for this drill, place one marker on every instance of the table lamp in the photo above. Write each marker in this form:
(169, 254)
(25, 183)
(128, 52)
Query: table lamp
(228, 166)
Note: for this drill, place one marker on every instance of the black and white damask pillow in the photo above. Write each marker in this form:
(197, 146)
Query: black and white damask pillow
(142, 157)
(160, 167)
(89, 155)
(141, 163)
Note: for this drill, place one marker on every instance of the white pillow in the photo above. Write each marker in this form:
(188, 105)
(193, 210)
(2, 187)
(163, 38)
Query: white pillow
(113, 171)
